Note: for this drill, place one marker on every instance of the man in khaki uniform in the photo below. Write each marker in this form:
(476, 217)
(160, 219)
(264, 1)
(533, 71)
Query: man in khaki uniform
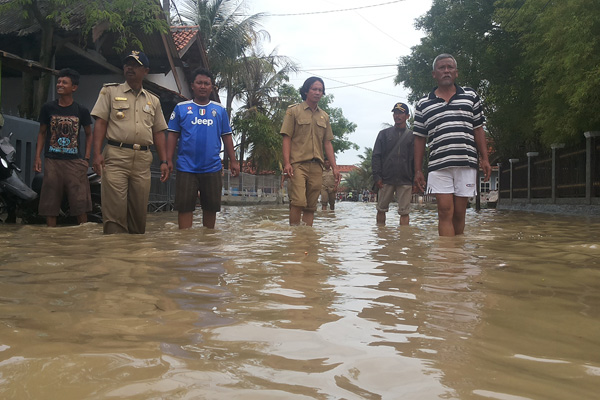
(131, 119)
(328, 187)
(306, 133)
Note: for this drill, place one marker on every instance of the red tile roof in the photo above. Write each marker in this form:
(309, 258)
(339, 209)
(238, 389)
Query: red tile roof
(346, 168)
(183, 35)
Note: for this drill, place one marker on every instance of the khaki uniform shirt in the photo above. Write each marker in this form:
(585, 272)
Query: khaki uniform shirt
(308, 131)
(131, 119)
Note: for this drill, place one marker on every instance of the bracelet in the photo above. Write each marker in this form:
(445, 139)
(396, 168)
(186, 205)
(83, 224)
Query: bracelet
(163, 162)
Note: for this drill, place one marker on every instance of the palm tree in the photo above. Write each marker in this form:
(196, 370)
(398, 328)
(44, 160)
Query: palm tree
(227, 33)
(259, 81)
(361, 177)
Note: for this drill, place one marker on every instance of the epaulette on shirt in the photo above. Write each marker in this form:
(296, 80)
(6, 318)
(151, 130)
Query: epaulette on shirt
(152, 93)
(111, 84)
(293, 105)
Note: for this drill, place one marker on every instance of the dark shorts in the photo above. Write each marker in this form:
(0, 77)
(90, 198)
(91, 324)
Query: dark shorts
(189, 186)
(65, 177)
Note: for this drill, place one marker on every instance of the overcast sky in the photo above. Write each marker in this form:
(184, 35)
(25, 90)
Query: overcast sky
(329, 44)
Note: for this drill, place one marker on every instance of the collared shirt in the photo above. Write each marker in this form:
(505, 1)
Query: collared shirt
(131, 119)
(450, 127)
(308, 131)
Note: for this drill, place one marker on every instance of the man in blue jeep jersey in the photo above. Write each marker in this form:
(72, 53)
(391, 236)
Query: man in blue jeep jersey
(200, 125)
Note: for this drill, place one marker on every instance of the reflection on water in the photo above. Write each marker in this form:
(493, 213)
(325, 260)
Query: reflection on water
(344, 310)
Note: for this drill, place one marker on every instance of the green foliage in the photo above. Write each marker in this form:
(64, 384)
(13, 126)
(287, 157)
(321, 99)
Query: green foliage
(340, 125)
(262, 139)
(125, 18)
(287, 95)
(225, 29)
(362, 177)
(535, 63)
(561, 42)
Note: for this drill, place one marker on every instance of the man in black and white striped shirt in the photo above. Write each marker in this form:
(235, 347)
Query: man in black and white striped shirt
(451, 119)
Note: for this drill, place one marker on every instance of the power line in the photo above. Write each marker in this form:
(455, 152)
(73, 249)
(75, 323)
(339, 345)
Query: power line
(385, 33)
(346, 84)
(362, 83)
(354, 67)
(334, 11)
(514, 14)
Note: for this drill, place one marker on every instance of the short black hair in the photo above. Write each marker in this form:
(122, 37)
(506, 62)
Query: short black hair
(69, 73)
(202, 71)
(308, 83)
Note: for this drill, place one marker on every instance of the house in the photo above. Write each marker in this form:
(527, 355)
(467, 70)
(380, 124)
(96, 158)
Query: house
(172, 56)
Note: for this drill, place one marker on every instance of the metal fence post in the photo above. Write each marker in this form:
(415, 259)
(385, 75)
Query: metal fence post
(512, 161)
(530, 155)
(590, 156)
(499, 165)
(554, 147)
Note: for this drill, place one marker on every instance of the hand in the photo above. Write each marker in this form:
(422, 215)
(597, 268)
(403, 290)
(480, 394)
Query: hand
(37, 165)
(336, 174)
(487, 170)
(164, 172)
(288, 170)
(420, 181)
(170, 164)
(98, 164)
(379, 184)
(234, 167)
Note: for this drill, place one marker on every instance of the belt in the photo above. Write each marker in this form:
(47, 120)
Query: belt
(127, 145)
(311, 160)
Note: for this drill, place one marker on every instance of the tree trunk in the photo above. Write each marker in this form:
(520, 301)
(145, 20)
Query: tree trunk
(26, 105)
(46, 55)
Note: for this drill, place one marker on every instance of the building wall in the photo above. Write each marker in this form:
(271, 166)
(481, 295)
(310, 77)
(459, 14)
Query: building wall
(87, 92)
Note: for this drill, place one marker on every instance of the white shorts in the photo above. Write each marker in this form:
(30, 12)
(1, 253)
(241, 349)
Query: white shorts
(459, 181)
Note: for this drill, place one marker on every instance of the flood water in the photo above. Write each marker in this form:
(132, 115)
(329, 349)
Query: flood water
(345, 310)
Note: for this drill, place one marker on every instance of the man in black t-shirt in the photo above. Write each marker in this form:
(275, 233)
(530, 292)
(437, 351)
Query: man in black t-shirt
(59, 137)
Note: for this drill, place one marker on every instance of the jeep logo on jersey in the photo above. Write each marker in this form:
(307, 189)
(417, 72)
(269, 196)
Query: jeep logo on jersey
(198, 121)
(202, 111)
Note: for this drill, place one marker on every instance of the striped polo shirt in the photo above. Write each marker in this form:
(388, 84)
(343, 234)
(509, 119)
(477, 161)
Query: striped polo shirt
(449, 128)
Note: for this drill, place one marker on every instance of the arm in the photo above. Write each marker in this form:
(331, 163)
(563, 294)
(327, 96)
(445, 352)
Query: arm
(41, 141)
(419, 153)
(287, 149)
(234, 166)
(160, 142)
(88, 142)
(172, 139)
(98, 138)
(376, 163)
(331, 157)
(481, 143)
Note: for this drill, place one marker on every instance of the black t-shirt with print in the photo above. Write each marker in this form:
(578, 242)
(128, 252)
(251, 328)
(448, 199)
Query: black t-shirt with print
(63, 136)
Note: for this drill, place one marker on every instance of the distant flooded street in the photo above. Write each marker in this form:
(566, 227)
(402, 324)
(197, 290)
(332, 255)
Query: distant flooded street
(345, 310)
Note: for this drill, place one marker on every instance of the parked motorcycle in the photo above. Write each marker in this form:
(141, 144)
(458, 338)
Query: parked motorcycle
(17, 200)
(14, 193)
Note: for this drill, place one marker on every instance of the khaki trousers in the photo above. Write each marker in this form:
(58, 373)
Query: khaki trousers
(125, 189)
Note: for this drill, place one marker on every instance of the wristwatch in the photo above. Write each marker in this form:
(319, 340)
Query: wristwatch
(163, 162)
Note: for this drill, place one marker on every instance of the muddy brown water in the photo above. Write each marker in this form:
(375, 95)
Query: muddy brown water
(345, 310)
